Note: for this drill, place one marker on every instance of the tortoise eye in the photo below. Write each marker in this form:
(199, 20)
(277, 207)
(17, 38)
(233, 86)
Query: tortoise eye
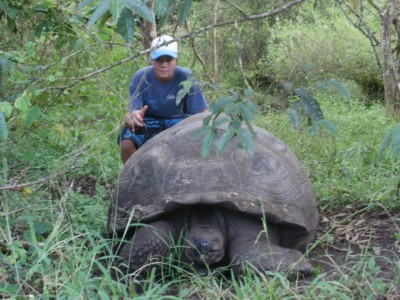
(215, 242)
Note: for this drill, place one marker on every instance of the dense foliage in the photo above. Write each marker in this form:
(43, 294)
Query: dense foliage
(63, 92)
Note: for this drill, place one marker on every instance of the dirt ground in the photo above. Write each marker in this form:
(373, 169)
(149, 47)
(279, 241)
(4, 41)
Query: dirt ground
(351, 237)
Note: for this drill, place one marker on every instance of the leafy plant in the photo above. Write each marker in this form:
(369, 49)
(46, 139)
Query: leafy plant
(309, 108)
(392, 141)
(231, 110)
(25, 110)
(124, 13)
(188, 84)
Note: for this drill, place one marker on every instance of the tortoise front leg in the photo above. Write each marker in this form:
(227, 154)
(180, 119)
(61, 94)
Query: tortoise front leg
(251, 243)
(150, 244)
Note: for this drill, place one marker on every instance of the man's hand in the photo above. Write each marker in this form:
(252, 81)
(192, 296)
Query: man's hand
(135, 118)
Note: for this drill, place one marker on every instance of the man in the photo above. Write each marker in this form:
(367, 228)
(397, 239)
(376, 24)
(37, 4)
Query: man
(153, 92)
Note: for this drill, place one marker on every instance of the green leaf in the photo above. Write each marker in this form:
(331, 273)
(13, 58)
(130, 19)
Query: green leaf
(43, 28)
(235, 124)
(184, 9)
(392, 140)
(180, 95)
(249, 93)
(104, 7)
(11, 289)
(310, 106)
(6, 108)
(338, 86)
(246, 141)
(207, 143)
(42, 227)
(331, 128)
(33, 115)
(139, 7)
(222, 103)
(126, 25)
(22, 103)
(162, 21)
(105, 32)
(200, 131)
(314, 127)
(84, 3)
(221, 121)
(386, 141)
(3, 127)
(5, 65)
(207, 120)
(161, 7)
(295, 118)
(224, 140)
(115, 9)
(247, 114)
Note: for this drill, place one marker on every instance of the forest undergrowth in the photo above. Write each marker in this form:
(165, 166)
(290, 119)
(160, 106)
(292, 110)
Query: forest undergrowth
(53, 218)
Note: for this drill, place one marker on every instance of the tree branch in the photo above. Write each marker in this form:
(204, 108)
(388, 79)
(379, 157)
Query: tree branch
(270, 13)
(197, 54)
(372, 39)
(236, 7)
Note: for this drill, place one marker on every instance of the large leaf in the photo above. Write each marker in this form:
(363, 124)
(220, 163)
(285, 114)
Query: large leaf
(224, 140)
(126, 25)
(180, 95)
(184, 9)
(207, 120)
(222, 103)
(43, 28)
(115, 9)
(84, 3)
(6, 108)
(161, 7)
(139, 7)
(3, 127)
(246, 112)
(42, 227)
(104, 7)
(33, 115)
(246, 141)
(338, 86)
(331, 128)
(391, 140)
(310, 106)
(22, 103)
(208, 141)
(200, 132)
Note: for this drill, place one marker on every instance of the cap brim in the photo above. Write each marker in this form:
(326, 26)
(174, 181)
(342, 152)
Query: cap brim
(156, 54)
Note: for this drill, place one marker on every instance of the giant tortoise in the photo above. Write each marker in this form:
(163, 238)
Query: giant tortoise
(230, 209)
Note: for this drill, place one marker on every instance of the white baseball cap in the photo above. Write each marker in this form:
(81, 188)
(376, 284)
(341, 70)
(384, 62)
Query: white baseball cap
(169, 50)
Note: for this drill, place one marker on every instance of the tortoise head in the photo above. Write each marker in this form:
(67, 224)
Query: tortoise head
(205, 245)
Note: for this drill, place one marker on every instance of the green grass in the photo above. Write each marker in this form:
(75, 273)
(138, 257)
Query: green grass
(52, 233)
(344, 171)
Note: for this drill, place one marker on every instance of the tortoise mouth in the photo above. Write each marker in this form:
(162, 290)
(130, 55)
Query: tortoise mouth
(200, 257)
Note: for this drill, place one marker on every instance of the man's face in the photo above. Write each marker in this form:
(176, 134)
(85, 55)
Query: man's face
(164, 67)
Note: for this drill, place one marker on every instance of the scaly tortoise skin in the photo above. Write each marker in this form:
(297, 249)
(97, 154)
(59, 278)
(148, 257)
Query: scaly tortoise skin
(229, 208)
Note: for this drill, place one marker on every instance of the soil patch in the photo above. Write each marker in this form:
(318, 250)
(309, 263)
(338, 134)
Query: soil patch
(358, 240)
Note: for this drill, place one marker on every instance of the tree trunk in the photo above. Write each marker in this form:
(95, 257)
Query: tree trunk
(390, 56)
(149, 30)
(214, 42)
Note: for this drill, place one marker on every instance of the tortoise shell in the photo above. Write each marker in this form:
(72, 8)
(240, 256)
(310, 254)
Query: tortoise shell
(168, 171)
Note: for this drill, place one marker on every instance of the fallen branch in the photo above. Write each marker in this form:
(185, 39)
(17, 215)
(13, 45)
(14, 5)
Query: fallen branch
(36, 182)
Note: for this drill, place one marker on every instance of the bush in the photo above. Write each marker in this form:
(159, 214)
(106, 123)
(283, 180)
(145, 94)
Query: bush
(316, 51)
